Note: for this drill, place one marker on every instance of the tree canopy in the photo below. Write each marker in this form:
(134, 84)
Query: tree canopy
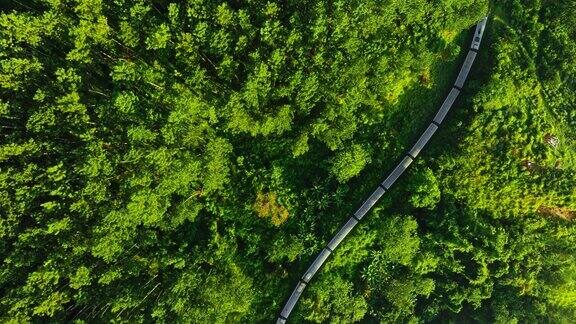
(185, 161)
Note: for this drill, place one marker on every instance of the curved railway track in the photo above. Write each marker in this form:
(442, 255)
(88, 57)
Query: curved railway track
(391, 178)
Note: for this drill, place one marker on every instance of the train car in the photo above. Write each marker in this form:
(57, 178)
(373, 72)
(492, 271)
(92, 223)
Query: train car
(478, 33)
(446, 105)
(466, 66)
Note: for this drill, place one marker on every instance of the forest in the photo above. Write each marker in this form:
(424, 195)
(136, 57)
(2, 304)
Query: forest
(185, 161)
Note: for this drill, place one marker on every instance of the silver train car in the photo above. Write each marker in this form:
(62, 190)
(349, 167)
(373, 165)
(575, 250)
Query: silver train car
(478, 33)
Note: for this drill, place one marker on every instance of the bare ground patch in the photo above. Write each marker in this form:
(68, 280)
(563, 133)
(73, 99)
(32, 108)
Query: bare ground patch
(561, 212)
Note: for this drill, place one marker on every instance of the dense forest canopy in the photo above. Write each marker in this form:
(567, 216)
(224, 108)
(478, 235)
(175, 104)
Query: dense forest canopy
(183, 161)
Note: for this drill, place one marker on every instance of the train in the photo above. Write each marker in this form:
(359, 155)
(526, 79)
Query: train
(391, 178)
